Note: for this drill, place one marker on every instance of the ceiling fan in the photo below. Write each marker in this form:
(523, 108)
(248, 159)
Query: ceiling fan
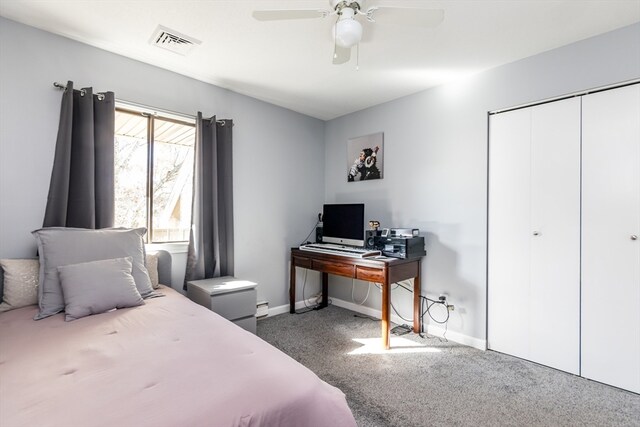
(347, 31)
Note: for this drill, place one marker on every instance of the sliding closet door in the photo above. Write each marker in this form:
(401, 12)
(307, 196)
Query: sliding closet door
(611, 237)
(534, 234)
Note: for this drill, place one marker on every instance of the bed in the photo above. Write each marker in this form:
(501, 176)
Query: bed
(169, 362)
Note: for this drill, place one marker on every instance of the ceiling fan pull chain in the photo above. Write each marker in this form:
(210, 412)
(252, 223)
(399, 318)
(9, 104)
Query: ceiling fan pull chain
(335, 43)
(358, 57)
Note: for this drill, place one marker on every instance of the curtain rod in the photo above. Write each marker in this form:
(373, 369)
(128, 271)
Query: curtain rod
(83, 92)
(221, 122)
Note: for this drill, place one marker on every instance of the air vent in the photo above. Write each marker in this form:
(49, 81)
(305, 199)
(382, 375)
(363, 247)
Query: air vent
(172, 40)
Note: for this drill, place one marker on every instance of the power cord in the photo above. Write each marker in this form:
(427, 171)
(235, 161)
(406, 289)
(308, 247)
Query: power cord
(308, 308)
(304, 299)
(399, 315)
(353, 285)
(429, 305)
(306, 239)
(393, 306)
(304, 285)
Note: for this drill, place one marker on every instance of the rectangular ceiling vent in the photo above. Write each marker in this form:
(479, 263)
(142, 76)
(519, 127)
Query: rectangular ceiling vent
(172, 40)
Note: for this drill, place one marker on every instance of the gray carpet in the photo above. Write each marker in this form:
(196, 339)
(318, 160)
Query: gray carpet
(449, 385)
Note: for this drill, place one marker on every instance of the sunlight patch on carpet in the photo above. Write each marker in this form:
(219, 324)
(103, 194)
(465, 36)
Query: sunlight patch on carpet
(398, 345)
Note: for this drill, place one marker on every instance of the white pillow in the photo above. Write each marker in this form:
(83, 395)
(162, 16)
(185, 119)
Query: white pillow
(20, 283)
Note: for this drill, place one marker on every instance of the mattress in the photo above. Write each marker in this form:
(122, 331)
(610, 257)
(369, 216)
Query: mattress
(169, 362)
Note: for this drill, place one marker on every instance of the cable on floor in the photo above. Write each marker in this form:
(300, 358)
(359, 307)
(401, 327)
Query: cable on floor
(361, 316)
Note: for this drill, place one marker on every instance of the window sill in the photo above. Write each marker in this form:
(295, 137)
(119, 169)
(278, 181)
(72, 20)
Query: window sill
(172, 248)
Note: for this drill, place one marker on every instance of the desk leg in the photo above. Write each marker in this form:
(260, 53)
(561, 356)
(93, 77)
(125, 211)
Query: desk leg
(325, 290)
(386, 291)
(292, 288)
(416, 302)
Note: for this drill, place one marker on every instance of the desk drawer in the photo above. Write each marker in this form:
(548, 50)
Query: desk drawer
(302, 262)
(370, 274)
(333, 267)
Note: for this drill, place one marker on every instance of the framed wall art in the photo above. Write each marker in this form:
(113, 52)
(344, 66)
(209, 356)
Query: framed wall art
(364, 157)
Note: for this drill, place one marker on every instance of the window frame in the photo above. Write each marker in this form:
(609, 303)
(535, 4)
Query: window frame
(151, 116)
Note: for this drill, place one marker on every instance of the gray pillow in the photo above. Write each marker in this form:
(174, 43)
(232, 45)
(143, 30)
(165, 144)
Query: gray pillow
(97, 287)
(58, 246)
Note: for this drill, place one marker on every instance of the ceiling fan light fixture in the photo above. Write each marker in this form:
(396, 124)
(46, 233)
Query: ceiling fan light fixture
(348, 32)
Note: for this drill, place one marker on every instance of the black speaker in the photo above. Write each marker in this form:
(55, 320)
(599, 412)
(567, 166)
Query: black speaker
(369, 242)
(318, 234)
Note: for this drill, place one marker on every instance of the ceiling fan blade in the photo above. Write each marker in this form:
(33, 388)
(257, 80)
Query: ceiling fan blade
(406, 16)
(276, 15)
(341, 55)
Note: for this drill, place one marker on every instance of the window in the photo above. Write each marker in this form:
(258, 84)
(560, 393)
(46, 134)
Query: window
(154, 174)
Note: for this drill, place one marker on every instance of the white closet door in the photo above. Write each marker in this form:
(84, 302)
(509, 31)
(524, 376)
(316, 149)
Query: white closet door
(534, 234)
(610, 252)
(509, 236)
(555, 235)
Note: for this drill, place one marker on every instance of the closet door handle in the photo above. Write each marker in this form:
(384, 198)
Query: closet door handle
(634, 237)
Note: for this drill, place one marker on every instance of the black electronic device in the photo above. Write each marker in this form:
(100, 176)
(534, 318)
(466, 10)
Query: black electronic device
(405, 232)
(343, 224)
(369, 242)
(319, 234)
(400, 247)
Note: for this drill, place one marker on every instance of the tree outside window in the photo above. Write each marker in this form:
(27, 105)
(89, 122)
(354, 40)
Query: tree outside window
(154, 174)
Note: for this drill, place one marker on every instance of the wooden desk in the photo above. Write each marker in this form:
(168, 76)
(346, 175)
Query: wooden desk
(384, 272)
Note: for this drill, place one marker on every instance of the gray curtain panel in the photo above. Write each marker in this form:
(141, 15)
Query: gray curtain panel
(211, 239)
(81, 192)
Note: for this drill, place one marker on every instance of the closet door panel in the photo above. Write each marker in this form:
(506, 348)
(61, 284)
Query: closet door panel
(509, 239)
(610, 254)
(555, 235)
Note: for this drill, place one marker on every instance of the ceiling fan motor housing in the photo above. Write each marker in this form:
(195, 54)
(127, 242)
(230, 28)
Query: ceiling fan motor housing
(347, 31)
(339, 4)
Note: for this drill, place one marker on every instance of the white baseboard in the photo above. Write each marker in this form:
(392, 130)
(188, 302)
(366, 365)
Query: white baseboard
(463, 339)
(281, 309)
(436, 330)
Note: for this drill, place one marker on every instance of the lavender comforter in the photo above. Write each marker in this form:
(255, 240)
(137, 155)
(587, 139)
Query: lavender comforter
(169, 362)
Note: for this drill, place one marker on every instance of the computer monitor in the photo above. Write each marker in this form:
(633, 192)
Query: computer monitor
(343, 224)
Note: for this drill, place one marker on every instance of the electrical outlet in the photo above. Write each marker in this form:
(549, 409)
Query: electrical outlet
(262, 309)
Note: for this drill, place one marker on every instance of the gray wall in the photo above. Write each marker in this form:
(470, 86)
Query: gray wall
(277, 189)
(435, 171)
(435, 156)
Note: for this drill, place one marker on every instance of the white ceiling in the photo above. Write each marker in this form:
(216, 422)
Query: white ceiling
(289, 63)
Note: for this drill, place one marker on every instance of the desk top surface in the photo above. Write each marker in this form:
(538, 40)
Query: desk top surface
(374, 261)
